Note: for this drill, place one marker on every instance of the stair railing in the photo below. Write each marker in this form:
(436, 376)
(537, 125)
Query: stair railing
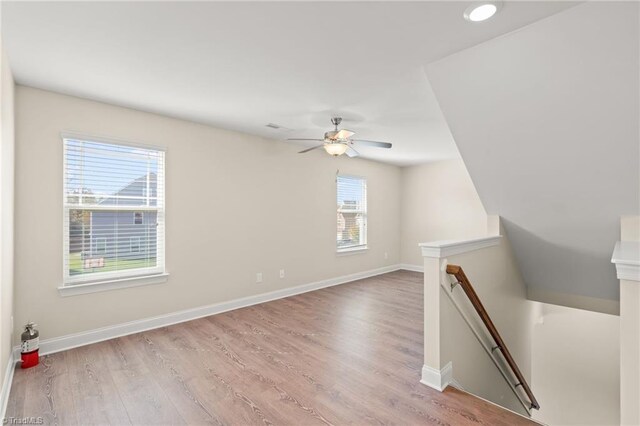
(465, 284)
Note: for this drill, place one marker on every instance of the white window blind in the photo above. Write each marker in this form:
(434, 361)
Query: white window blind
(352, 213)
(113, 211)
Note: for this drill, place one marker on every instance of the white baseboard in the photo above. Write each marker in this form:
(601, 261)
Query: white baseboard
(437, 379)
(456, 384)
(57, 344)
(440, 379)
(6, 385)
(409, 267)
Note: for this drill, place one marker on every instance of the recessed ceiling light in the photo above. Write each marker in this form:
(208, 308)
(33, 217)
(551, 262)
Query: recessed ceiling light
(481, 11)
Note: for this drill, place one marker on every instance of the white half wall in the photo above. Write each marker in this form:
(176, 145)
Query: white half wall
(497, 281)
(451, 340)
(236, 205)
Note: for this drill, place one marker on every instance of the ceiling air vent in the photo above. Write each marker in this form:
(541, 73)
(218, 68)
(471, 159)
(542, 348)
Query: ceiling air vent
(273, 126)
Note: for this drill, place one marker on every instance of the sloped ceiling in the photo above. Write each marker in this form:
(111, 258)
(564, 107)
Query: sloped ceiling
(546, 120)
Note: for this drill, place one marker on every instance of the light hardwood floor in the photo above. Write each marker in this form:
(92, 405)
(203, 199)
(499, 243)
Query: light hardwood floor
(350, 354)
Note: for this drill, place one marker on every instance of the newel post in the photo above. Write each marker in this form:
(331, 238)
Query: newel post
(436, 372)
(626, 257)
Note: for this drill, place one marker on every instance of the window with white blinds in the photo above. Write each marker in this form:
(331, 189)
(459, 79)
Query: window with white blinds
(352, 213)
(113, 211)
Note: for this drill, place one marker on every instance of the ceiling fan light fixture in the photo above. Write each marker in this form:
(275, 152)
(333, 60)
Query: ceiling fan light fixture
(335, 148)
(337, 142)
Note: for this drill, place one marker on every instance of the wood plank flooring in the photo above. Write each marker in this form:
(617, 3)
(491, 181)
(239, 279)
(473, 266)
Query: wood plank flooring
(350, 354)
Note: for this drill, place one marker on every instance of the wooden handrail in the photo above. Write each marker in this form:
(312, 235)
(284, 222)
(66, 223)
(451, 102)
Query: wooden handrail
(457, 272)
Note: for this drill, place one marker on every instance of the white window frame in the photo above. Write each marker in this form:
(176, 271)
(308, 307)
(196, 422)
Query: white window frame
(102, 281)
(363, 245)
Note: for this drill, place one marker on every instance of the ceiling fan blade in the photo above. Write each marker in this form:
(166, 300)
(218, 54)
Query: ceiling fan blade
(352, 152)
(372, 143)
(310, 149)
(344, 134)
(297, 139)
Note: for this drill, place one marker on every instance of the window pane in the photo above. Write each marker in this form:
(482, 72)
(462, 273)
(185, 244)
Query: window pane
(107, 241)
(111, 175)
(352, 212)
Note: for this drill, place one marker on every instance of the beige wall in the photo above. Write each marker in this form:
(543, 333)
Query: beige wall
(439, 202)
(496, 279)
(630, 228)
(629, 371)
(575, 363)
(236, 205)
(6, 211)
(629, 334)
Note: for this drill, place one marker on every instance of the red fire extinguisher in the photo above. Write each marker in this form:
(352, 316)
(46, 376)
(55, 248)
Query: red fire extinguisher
(30, 346)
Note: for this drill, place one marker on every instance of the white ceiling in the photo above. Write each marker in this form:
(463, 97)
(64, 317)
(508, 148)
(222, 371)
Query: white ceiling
(243, 65)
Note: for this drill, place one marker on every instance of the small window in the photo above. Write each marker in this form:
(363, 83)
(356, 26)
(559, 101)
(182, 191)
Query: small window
(352, 213)
(137, 218)
(134, 244)
(100, 246)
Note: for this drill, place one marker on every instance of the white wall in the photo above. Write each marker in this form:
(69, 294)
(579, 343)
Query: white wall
(236, 205)
(451, 340)
(496, 279)
(546, 119)
(439, 202)
(6, 211)
(575, 363)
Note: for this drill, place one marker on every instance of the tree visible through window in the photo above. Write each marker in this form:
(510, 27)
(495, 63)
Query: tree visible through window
(352, 213)
(106, 186)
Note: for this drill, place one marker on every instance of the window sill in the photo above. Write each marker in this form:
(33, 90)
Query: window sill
(354, 250)
(95, 287)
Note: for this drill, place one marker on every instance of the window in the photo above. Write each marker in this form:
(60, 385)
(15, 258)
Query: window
(106, 185)
(137, 218)
(352, 213)
(100, 245)
(134, 244)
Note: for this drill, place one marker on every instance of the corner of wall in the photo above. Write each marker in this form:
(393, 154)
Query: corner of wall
(438, 202)
(7, 162)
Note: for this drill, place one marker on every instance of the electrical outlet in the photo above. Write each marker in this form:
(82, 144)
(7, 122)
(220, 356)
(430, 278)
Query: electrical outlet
(386, 255)
(259, 277)
(281, 273)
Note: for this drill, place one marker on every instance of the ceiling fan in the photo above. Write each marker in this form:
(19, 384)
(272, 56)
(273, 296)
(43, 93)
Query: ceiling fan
(337, 142)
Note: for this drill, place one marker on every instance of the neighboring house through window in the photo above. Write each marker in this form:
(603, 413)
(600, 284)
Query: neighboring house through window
(134, 244)
(137, 218)
(106, 185)
(100, 245)
(352, 213)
